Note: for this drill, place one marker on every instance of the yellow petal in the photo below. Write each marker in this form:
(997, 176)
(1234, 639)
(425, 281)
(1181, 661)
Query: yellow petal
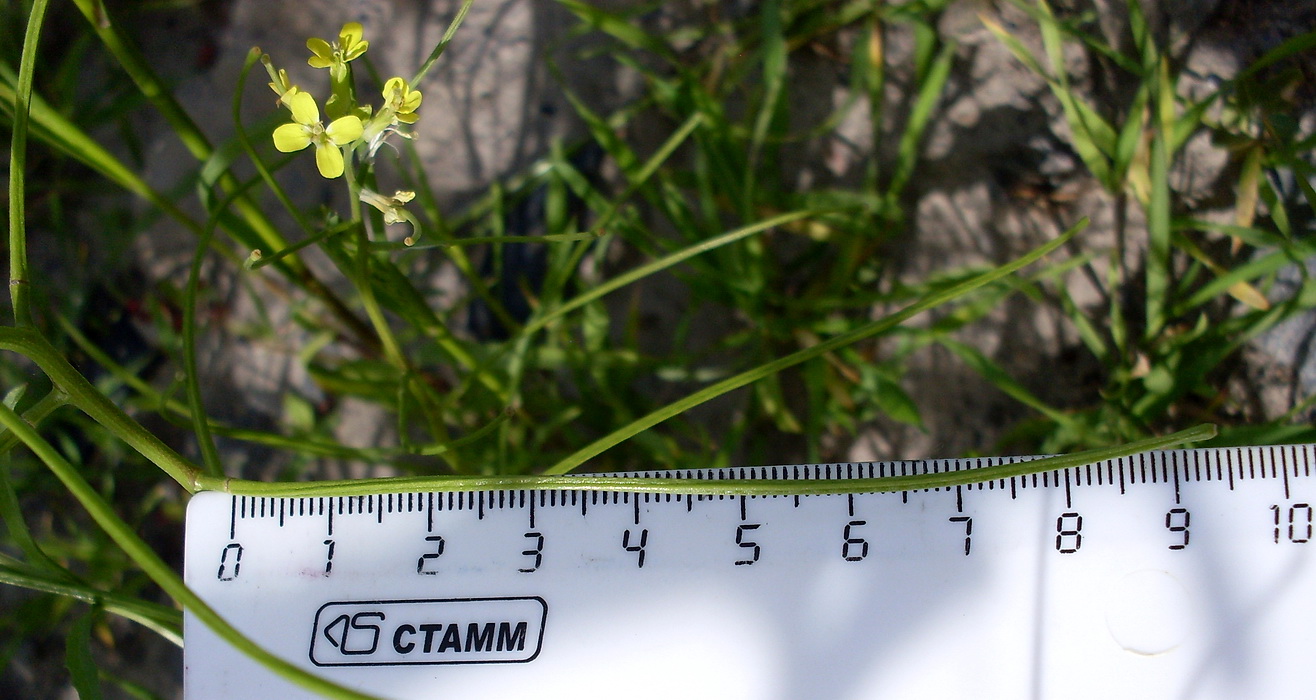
(411, 102)
(321, 50)
(303, 108)
(291, 137)
(344, 130)
(350, 34)
(407, 117)
(329, 160)
(355, 50)
(392, 85)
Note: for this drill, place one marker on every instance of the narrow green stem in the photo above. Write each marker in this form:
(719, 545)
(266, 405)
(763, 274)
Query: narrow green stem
(932, 300)
(10, 510)
(153, 565)
(699, 487)
(19, 286)
(206, 442)
(166, 622)
(31, 344)
(373, 311)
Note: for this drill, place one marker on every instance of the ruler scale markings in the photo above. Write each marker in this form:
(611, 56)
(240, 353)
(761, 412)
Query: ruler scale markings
(1176, 482)
(1175, 468)
(1230, 465)
(1284, 469)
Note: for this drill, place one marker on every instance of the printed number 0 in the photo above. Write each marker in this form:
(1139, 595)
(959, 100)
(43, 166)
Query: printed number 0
(233, 550)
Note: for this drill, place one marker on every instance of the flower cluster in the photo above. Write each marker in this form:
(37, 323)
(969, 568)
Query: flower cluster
(351, 125)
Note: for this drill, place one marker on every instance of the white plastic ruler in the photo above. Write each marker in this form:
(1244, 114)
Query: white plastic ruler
(1179, 574)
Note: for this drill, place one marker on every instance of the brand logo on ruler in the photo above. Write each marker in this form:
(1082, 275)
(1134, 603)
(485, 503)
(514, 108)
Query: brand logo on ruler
(449, 631)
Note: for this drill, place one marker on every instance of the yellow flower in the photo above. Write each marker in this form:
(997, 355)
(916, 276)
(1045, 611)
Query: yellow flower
(335, 56)
(399, 97)
(307, 129)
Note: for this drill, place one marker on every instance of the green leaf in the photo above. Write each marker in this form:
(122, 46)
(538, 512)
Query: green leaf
(896, 402)
(77, 657)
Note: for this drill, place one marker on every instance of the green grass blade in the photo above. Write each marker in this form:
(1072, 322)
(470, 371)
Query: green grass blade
(994, 373)
(11, 512)
(663, 263)
(77, 658)
(769, 109)
(708, 487)
(164, 621)
(618, 27)
(1293, 46)
(929, 95)
(439, 48)
(1158, 208)
(51, 127)
(155, 567)
(932, 300)
(19, 285)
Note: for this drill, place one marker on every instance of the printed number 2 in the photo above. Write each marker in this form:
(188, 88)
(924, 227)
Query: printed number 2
(430, 556)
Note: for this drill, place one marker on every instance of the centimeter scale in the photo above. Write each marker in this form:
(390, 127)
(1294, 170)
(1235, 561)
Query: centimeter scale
(1177, 574)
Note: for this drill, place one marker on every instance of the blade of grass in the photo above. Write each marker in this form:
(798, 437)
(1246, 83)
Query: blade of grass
(19, 286)
(661, 264)
(77, 657)
(774, 78)
(166, 622)
(88, 399)
(929, 95)
(932, 300)
(1158, 208)
(155, 567)
(1013, 467)
(440, 47)
(11, 512)
(620, 28)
